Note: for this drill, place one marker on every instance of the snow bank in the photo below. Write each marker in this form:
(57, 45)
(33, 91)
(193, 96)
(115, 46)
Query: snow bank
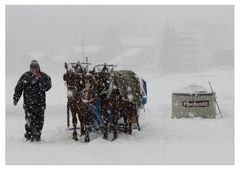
(162, 140)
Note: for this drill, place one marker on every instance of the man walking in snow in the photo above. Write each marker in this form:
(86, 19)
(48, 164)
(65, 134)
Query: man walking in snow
(33, 84)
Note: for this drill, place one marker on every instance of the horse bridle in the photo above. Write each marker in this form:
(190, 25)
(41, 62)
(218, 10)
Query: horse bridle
(88, 85)
(72, 88)
(103, 91)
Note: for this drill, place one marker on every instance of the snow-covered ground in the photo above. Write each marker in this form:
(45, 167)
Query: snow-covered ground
(162, 140)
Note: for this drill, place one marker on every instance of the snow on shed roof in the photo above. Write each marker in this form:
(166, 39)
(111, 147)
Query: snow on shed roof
(193, 89)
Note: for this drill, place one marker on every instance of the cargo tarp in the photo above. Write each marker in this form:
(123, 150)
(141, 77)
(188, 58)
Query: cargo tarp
(128, 85)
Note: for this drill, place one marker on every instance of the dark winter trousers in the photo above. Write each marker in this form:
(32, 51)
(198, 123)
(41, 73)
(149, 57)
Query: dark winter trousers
(34, 123)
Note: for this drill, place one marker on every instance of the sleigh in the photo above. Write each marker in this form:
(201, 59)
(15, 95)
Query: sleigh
(132, 89)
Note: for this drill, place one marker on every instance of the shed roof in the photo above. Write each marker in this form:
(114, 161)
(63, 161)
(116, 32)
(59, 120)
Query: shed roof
(192, 89)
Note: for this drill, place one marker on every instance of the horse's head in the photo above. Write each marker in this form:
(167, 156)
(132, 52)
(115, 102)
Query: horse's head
(89, 91)
(74, 81)
(89, 79)
(79, 69)
(102, 79)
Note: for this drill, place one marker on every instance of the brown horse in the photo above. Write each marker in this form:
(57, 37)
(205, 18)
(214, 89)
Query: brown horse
(87, 99)
(115, 102)
(101, 90)
(108, 91)
(122, 106)
(109, 98)
(128, 85)
(75, 82)
(129, 113)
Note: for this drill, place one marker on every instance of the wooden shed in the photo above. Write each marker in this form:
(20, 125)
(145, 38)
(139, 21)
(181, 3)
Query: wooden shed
(193, 101)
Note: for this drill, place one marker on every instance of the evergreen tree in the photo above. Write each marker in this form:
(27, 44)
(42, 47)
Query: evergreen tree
(169, 50)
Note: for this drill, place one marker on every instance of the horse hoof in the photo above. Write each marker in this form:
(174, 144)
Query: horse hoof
(82, 133)
(87, 140)
(76, 139)
(105, 137)
(114, 138)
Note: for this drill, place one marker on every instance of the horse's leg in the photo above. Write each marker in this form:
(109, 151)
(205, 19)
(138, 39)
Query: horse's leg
(87, 120)
(82, 124)
(138, 125)
(74, 122)
(125, 117)
(104, 110)
(115, 122)
(81, 119)
(125, 123)
(130, 114)
(137, 119)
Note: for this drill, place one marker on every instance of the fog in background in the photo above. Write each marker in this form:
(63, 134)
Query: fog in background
(164, 39)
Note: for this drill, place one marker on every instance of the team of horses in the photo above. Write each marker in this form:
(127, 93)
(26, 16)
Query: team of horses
(85, 87)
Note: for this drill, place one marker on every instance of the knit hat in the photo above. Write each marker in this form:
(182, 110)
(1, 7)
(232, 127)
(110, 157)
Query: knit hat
(34, 64)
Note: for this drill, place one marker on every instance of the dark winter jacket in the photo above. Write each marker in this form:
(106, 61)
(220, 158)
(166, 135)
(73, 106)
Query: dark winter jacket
(33, 90)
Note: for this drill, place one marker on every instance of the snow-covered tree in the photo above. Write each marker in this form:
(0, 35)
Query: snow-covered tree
(169, 50)
(111, 44)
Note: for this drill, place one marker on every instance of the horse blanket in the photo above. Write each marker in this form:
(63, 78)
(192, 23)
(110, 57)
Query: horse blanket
(128, 85)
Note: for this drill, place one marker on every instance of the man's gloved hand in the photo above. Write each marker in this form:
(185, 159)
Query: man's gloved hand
(14, 102)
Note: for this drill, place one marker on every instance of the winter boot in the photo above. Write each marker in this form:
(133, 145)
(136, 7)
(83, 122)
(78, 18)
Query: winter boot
(28, 136)
(37, 137)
